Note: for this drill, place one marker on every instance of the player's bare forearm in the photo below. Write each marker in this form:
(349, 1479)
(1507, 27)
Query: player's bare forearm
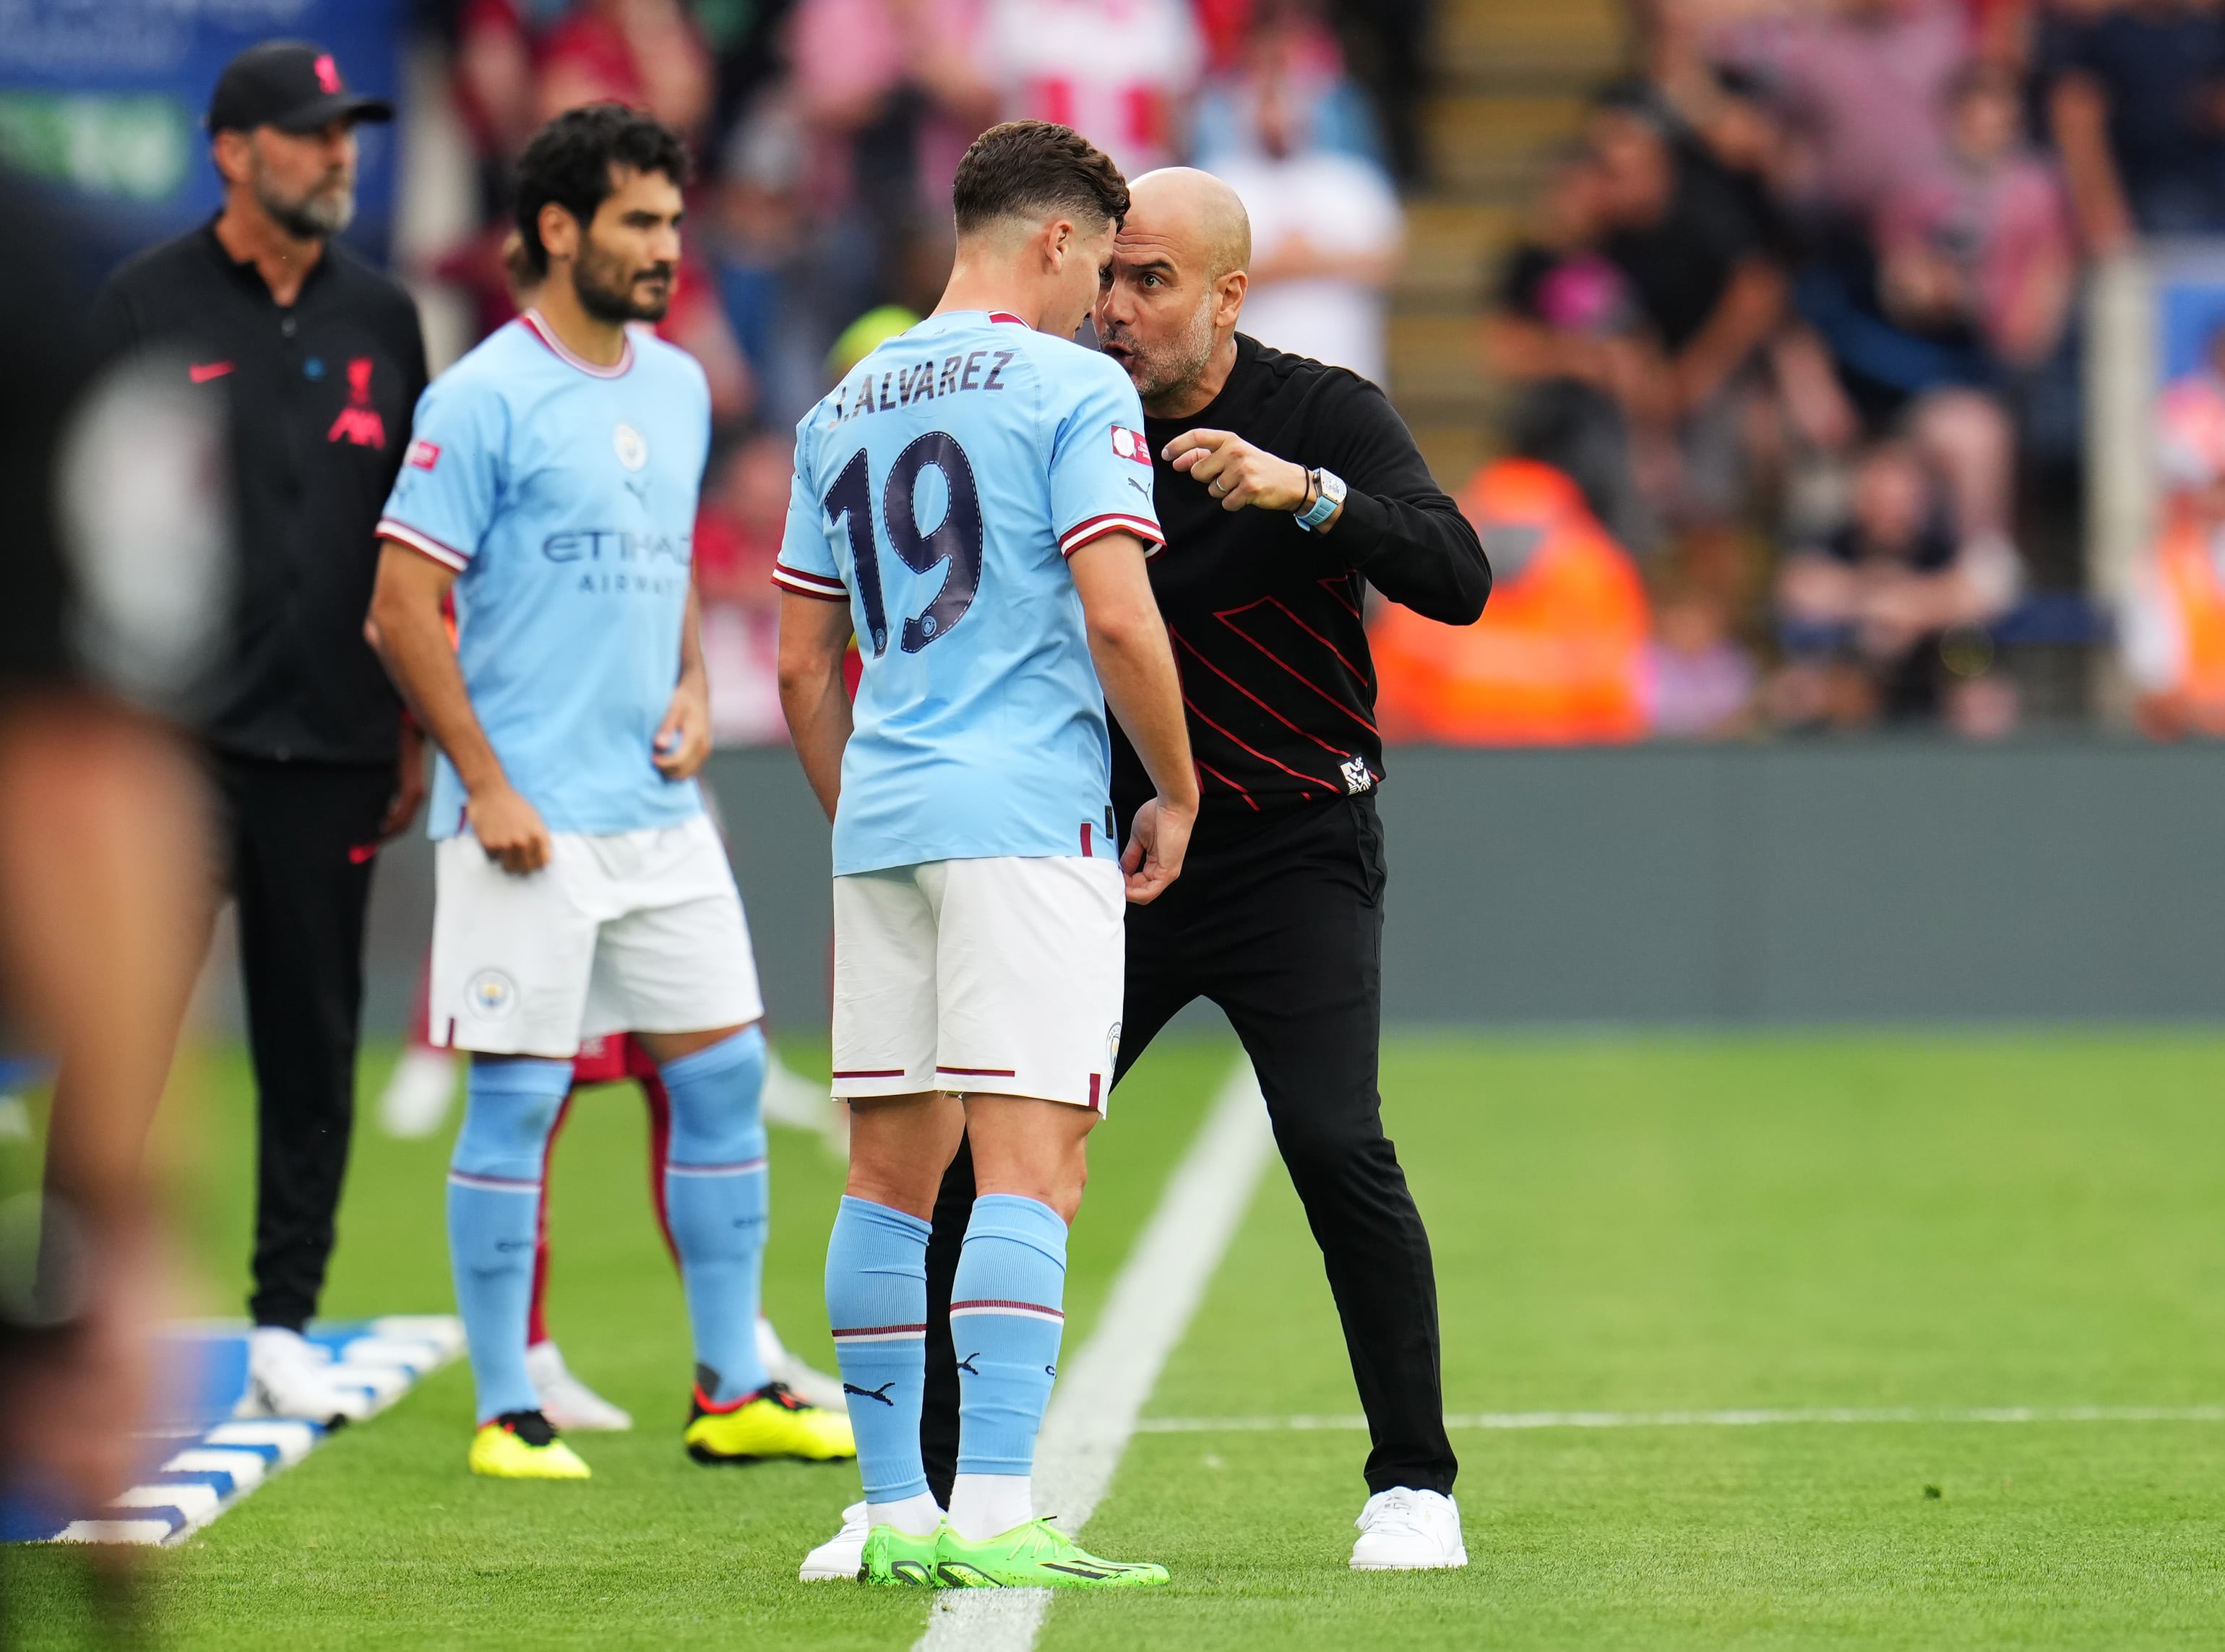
(413, 640)
(1136, 667)
(815, 635)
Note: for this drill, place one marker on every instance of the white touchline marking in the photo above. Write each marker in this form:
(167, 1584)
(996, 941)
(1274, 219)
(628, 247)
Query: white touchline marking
(1745, 1418)
(1102, 1388)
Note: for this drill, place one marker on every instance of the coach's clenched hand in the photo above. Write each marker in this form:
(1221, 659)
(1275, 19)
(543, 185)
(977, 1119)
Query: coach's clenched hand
(683, 739)
(509, 828)
(1237, 473)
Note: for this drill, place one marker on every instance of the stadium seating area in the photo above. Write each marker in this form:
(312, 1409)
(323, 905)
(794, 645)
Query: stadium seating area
(1791, 289)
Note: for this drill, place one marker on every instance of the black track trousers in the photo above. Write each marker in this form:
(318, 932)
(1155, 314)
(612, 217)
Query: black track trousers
(300, 837)
(1278, 919)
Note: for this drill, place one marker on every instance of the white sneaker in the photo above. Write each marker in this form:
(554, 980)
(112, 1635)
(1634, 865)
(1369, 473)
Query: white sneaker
(568, 1403)
(290, 1376)
(1403, 1530)
(416, 1096)
(804, 1381)
(840, 1555)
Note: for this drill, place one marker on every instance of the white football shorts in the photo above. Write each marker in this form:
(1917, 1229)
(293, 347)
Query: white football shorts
(629, 931)
(1000, 976)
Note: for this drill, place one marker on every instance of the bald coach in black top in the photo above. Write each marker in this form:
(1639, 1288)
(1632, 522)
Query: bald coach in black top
(1288, 489)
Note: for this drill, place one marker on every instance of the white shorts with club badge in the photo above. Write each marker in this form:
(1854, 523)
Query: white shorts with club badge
(630, 932)
(999, 976)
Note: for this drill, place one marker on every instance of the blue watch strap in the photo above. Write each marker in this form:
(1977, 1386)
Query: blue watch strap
(1325, 505)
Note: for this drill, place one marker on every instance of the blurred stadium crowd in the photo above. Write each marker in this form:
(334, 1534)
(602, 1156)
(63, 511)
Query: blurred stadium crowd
(1787, 358)
(827, 132)
(1799, 317)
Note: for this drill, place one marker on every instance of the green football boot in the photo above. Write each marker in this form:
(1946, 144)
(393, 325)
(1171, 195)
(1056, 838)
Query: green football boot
(897, 1559)
(1036, 1556)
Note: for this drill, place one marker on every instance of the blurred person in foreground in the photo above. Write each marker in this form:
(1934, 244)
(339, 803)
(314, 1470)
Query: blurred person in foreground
(1288, 489)
(115, 566)
(317, 360)
(1559, 656)
(2174, 626)
(581, 889)
(1881, 620)
(1326, 228)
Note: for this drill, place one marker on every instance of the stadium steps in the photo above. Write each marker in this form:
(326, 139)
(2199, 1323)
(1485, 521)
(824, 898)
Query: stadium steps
(1512, 78)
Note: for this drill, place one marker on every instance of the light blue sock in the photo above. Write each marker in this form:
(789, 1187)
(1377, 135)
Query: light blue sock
(716, 1197)
(877, 1302)
(1007, 1312)
(494, 1205)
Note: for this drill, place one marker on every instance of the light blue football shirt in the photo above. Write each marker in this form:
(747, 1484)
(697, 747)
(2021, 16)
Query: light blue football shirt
(564, 495)
(939, 490)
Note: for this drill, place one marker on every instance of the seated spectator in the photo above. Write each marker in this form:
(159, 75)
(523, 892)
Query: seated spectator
(1558, 657)
(1326, 227)
(1709, 291)
(2174, 628)
(737, 536)
(2136, 102)
(1965, 284)
(1861, 616)
(1561, 328)
(1699, 681)
(1983, 243)
(1121, 72)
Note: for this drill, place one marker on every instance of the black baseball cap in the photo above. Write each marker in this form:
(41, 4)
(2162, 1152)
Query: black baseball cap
(290, 85)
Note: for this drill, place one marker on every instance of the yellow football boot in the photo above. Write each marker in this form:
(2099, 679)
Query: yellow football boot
(521, 1445)
(768, 1422)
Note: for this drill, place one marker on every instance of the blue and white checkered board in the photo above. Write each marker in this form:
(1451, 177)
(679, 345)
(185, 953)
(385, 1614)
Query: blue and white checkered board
(204, 1456)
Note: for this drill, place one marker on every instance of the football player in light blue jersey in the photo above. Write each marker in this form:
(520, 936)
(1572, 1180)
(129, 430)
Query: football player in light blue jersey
(974, 502)
(580, 888)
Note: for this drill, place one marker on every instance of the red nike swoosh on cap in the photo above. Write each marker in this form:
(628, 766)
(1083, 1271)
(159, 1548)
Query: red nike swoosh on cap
(203, 371)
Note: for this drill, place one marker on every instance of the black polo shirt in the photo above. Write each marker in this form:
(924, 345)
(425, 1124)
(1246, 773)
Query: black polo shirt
(319, 396)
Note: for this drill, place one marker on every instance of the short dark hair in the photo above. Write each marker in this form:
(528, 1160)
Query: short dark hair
(1033, 169)
(569, 162)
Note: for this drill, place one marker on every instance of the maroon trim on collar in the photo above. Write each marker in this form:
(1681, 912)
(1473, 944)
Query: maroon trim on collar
(538, 326)
(1006, 316)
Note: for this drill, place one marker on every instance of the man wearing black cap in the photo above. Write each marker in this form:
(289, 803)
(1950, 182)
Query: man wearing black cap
(319, 362)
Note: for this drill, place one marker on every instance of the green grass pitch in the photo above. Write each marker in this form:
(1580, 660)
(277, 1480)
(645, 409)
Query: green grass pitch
(1631, 1223)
